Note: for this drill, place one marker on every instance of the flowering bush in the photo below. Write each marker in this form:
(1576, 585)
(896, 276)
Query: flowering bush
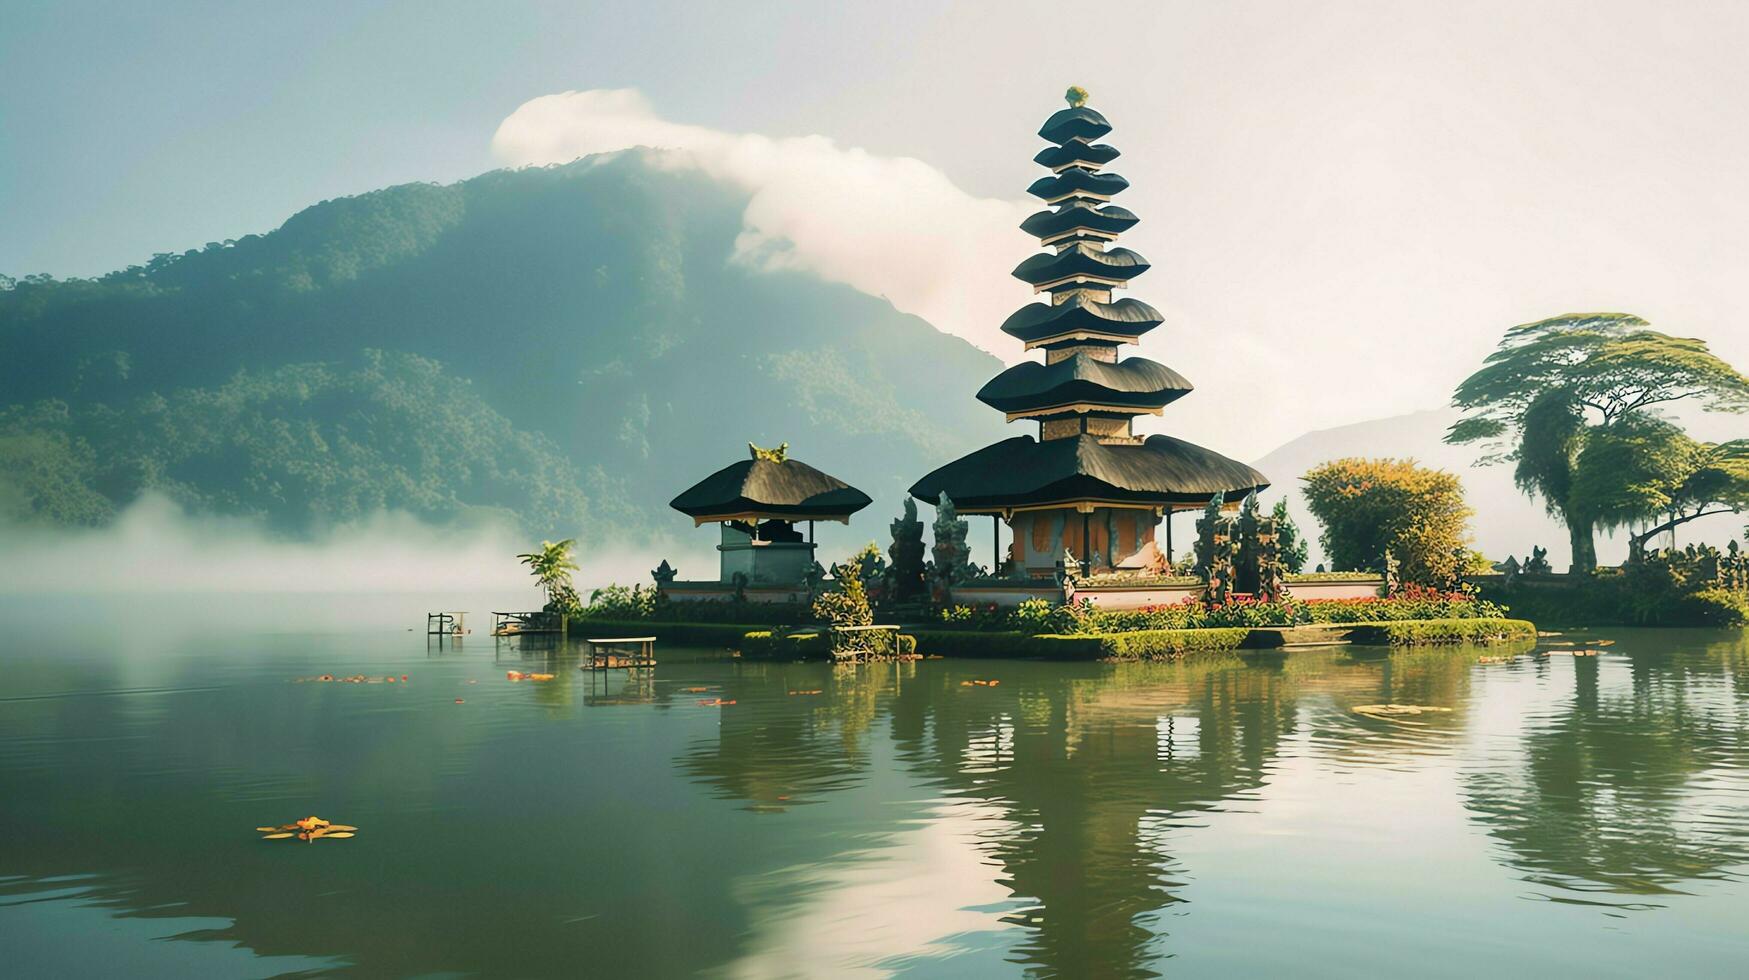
(987, 616)
(1035, 616)
(1043, 616)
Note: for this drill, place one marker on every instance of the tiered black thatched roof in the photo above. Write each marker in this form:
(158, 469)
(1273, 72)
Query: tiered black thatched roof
(1110, 220)
(762, 489)
(1134, 382)
(1075, 151)
(1023, 472)
(1080, 329)
(1077, 181)
(1126, 318)
(1081, 259)
(1074, 123)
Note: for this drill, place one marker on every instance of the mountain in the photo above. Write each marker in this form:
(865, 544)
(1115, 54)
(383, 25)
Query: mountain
(568, 345)
(1506, 522)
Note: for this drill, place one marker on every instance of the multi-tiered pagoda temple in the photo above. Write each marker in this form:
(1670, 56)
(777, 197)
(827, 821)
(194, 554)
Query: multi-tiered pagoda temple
(1088, 485)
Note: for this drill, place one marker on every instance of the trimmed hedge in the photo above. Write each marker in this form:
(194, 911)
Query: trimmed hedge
(1134, 645)
(1424, 632)
(1142, 644)
(974, 643)
(808, 645)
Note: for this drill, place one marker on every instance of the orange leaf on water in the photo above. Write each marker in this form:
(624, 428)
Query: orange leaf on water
(279, 836)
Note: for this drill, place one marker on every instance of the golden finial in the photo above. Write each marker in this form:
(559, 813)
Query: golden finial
(1077, 96)
(777, 455)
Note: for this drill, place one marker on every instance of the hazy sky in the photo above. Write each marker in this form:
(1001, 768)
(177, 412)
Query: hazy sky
(1345, 203)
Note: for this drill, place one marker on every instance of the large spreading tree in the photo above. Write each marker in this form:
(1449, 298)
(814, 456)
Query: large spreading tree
(1567, 400)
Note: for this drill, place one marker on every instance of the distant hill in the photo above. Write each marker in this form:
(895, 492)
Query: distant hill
(569, 345)
(1506, 522)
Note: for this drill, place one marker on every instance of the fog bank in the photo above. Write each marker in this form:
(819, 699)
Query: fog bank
(154, 547)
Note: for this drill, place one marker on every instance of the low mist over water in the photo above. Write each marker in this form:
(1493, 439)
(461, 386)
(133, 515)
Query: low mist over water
(154, 547)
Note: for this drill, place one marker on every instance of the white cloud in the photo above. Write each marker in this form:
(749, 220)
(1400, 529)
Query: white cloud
(888, 226)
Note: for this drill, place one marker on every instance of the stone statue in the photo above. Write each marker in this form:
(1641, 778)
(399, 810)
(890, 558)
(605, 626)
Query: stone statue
(664, 574)
(1538, 562)
(906, 582)
(1217, 553)
(951, 557)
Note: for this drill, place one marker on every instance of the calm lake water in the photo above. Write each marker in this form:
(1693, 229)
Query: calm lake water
(1568, 816)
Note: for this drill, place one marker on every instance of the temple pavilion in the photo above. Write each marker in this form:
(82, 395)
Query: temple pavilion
(1088, 485)
(758, 502)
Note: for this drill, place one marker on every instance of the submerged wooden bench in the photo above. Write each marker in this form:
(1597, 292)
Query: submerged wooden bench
(613, 653)
(892, 631)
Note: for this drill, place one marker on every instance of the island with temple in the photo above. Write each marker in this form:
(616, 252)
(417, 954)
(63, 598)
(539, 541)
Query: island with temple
(1083, 562)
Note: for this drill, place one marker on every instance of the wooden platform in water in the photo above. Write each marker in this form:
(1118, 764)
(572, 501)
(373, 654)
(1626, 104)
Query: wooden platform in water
(620, 653)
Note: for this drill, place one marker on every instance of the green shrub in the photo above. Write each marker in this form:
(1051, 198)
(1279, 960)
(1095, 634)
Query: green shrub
(1166, 644)
(808, 645)
(1044, 616)
(619, 602)
(1718, 607)
(1646, 594)
(1428, 632)
(970, 643)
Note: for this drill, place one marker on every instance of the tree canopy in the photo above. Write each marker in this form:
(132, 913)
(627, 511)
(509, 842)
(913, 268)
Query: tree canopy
(1554, 388)
(1369, 506)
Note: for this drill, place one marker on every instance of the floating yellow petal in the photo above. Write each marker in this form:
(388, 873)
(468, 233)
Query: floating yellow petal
(343, 833)
(279, 836)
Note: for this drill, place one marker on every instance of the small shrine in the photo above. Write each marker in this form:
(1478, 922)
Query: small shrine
(1088, 488)
(759, 503)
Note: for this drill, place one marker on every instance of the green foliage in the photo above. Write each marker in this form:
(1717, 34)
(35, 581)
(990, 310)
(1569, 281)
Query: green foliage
(973, 644)
(1043, 616)
(1038, 616)
(600, 283)
(1160, 644)
(1291, 544)
(1717, 607)
(846, 605)
(1664, 590)
(1438, 632)
(621, 603)
(48, 476)
(771, 645)
(1369, 506)
(1555, 386)
(551, 567)
(1644, 470)
(1332, 577)
(638, 603)
(302, 445)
